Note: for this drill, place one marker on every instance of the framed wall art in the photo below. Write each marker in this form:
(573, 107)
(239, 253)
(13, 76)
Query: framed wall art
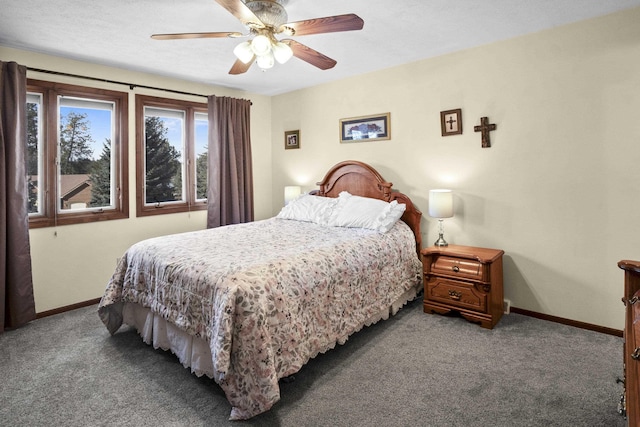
(291, 139)
(451, 122)
(366, 128)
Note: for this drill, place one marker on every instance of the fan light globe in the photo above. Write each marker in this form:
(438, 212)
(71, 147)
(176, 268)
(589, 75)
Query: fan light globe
(261, 45)
(282, 52)
(265, 61)
(243, 52)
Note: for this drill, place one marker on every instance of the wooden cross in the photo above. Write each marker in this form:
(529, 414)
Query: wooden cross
(485, 127)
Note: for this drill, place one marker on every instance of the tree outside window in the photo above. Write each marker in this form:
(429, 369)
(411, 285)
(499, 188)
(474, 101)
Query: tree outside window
(76, 154)
(171, 145)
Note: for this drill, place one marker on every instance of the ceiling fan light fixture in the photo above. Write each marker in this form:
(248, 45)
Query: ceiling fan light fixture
(261, 45)
(271, 12)
(266, 19)
(265, 61)
(282, 52)
(243, 52)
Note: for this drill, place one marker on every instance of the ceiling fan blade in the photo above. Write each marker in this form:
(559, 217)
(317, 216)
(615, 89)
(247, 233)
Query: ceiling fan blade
(309, 55)
(238, 9)
(329, 24)
(176, 36)
(240, 67)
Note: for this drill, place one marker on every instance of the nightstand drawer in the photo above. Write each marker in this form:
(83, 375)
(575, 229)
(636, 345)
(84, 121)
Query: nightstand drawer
(455, 293)
(458, 267)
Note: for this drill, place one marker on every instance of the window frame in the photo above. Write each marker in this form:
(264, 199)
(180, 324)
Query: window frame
(189, 202)
(49, 216)
(194, 184)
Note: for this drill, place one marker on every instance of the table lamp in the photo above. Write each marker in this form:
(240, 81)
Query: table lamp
(440, 206)
(291, 192)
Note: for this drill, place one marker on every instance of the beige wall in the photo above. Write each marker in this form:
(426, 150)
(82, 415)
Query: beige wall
(558, 190)
(73, 263)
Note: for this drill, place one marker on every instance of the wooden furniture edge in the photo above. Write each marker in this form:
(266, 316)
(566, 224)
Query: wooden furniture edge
(468, 252)
(630, 265)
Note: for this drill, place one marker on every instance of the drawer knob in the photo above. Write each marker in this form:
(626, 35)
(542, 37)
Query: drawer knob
(636, 354)
(456, 296)
(455, 268)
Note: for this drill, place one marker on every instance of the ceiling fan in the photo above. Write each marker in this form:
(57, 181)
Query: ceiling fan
(265, 19)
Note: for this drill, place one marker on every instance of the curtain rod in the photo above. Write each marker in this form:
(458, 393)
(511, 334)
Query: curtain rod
(131, 85)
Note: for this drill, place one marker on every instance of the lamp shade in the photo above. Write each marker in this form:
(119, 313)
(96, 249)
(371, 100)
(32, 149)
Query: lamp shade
(440, 203)
(291, 192)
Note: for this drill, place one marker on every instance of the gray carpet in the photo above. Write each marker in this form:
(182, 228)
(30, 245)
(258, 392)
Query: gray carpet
(415, 369)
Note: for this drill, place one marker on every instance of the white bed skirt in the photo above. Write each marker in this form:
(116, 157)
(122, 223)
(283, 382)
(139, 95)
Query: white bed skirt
(193, 352)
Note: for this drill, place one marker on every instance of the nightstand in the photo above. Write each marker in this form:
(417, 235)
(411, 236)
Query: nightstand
(465, 279)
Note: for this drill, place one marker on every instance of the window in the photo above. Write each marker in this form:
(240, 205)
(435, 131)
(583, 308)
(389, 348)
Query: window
(171, 155)
(76, 154)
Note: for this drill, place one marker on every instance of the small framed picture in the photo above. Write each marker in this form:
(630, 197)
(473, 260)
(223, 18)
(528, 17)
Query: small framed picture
(366, 128)
(291, 139)
(451, 122)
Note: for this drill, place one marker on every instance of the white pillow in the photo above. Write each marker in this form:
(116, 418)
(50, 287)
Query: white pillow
(365, 212)
(309, 208)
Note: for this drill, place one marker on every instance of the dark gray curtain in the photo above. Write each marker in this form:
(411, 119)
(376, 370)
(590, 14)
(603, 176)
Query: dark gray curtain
(230, 187)
(16, 286)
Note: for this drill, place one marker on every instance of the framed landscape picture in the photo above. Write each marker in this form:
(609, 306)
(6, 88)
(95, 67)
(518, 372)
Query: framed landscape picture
(366, 128)
(291, 139)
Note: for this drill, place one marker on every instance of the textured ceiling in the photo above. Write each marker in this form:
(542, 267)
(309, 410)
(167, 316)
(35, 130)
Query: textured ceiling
(116, 33)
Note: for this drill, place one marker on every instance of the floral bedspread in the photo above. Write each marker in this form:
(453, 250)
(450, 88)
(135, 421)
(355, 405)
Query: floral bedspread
(267, 295)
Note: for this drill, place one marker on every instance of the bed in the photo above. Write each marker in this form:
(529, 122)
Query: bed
(250, 304)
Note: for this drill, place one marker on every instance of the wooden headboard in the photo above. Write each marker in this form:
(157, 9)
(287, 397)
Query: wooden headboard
(361, 179)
